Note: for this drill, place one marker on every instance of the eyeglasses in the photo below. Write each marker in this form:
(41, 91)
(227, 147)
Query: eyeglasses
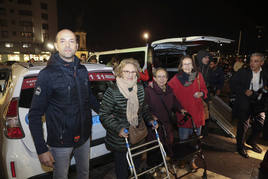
(159, 76)
(186, 64)
(129, 72)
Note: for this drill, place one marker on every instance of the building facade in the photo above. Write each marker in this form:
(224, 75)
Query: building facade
(27, 29)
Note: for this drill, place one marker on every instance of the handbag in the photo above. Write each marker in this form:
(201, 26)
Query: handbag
(205, 105)
(138, 133)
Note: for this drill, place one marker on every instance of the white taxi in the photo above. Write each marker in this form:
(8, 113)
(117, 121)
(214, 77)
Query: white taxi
(18, 153)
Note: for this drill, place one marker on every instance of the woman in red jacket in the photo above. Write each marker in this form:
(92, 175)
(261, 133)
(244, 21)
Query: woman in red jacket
(189, 88)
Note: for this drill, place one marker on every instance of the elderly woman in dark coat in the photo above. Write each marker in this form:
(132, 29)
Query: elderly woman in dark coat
(162, 102)
(122, 106)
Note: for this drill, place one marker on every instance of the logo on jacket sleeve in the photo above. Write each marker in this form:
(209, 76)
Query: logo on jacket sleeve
(37, 90)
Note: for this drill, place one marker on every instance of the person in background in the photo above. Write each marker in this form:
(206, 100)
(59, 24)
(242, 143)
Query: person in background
(161, 101)
(203, 59)
(93, 59)
(83, 58)
(31, 62)
(238, 63)
(189, 87)
(63, 94)
(114, 62)
(123, 105)
(248, 84)
(215, 78)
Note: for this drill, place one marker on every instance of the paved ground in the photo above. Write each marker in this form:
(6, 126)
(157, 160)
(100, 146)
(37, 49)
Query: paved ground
(221, 158)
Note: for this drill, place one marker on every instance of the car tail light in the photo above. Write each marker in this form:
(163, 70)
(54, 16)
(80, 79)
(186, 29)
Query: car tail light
(12, 125)
(12, 168)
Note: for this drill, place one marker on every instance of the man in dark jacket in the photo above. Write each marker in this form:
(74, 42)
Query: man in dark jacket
(249, 85)
(63, 95)
(215, 78)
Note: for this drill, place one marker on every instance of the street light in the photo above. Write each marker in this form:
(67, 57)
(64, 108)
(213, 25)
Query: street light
(50, 46)
(146, 36)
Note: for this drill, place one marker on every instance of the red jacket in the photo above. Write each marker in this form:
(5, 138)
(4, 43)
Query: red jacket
(185, 95)
(144, 76)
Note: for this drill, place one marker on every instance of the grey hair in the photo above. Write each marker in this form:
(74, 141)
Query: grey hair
(257, 54)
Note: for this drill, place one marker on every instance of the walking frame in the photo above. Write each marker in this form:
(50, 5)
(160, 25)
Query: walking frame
(197, 152)
(130, 154)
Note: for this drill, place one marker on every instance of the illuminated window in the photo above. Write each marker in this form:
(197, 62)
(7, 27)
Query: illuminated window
(13, 57)
(8, 45)
(26, 45)
(26, 34)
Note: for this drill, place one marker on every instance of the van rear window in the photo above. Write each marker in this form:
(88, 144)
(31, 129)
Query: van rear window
(99, 83)
(107, 58)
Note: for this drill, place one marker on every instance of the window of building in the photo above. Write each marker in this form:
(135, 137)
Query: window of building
(43, 5)
(13, 22)
(9, 45)
(44, 16)
(27, 2)
(11, 11)
(45, 26)
(14, 33)
(26, 45)
(26, 23)
(3, 23)
(25, 13)
(4, 34)
(26, 34)
(3, 11)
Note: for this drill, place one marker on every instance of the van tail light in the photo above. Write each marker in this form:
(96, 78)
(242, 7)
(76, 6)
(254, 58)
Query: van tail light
(13, 129)
(12, 168)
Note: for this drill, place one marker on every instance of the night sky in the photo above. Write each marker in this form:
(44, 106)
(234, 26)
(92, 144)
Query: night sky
(120, 24)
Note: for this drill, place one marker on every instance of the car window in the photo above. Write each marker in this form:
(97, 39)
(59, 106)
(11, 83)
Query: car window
(140, 56)
(4, 76)
(27, 91)
(99, 83)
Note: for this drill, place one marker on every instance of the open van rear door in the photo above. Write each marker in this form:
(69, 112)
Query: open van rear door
(192, 40)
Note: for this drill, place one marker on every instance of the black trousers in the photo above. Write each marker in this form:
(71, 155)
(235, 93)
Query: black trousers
(121, 165)
(245, 118)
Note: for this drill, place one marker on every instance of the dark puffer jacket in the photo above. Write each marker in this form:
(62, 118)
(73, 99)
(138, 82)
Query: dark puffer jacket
(63, 95)
(113, 116)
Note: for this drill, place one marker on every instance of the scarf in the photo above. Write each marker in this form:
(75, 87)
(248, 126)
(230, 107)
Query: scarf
(125, 87)
(186, 79)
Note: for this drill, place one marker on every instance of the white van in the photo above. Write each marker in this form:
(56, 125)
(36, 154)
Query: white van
(165, 53)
